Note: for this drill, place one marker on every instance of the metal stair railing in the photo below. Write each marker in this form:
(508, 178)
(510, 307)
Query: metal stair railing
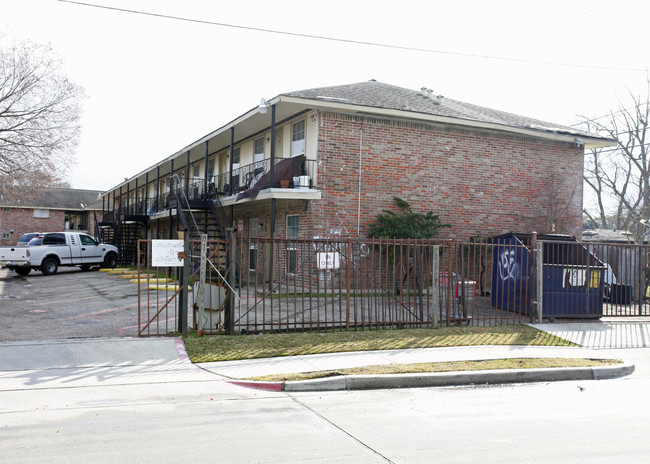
(218, 211)
(181, 203)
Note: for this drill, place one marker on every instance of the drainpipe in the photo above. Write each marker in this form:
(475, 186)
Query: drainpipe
(272, 225)
(232, 187)
(359, 191)
(272, 170)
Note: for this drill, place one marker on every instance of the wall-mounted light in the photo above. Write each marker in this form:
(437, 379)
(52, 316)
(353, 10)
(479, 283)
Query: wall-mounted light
(263, 106)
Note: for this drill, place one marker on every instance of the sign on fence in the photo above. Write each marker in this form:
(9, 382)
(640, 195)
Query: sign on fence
(328, 260)
(167, 253)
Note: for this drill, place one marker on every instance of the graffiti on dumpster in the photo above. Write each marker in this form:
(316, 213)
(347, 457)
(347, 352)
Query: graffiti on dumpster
(508, 265)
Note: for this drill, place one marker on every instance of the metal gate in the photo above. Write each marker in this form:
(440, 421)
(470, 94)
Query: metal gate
(168, 295)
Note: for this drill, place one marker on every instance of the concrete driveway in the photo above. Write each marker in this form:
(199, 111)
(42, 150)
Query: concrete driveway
(69, 304)
(606, 333)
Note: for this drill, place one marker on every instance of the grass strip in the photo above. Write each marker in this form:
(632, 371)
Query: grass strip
(231, 348)
(453, 366)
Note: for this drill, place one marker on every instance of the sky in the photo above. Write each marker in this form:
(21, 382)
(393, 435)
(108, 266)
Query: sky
(154, 85)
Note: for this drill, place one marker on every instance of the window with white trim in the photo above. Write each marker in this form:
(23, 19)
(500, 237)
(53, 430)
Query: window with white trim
(258, 153)
(42, 213)
(235, 166)
(298, 138)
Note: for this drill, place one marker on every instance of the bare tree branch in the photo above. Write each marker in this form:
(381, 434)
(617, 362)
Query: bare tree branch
(39, 119)
(620, 178)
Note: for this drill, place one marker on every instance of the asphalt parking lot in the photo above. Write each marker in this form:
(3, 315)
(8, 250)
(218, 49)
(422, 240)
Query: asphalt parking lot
(69, 304)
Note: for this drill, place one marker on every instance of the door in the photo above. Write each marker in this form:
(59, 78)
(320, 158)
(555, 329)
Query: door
(91, 251)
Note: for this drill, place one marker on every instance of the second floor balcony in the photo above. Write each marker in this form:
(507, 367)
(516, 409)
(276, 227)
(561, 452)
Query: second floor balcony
(295, 176)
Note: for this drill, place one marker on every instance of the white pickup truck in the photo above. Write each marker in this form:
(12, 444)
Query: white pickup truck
(59, 249)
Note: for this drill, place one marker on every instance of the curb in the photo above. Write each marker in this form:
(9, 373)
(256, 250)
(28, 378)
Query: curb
(442, 379)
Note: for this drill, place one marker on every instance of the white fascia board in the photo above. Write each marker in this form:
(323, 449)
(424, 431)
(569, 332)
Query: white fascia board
(371, 110)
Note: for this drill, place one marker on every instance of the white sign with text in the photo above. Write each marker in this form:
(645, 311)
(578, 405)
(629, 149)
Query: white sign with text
(167, 253)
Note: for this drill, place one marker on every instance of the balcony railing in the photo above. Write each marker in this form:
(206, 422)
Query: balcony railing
(244, 178)
(253, 175)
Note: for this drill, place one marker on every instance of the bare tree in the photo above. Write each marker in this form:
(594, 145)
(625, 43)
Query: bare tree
(39, 119)
(556, 200)
(620, 176)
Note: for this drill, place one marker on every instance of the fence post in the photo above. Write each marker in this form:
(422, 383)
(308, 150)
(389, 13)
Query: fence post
(531, 280)
(435, 285)
(539, 256)
(347, 278)
(185, 272)
(230, 266)
(200, 297)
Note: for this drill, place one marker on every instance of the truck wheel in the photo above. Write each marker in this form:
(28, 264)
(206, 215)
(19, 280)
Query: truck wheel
(110, 261)
(23, 271)
(49, 266)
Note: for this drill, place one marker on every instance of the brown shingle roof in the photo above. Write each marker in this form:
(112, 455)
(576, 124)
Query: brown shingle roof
(379, 95)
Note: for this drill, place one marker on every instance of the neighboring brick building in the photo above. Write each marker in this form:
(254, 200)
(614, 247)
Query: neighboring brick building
(357, 146)
(54, 210)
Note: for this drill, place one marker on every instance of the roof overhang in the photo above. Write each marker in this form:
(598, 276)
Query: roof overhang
(257, 121)
(549, 134)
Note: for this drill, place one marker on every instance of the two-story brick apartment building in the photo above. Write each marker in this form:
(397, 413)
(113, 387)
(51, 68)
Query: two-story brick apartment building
(347, 150)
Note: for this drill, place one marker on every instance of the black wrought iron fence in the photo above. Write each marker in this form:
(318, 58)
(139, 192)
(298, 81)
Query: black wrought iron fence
(275, 285)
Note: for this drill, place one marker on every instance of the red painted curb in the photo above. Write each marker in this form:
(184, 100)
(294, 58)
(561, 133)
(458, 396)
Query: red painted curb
(267, 386)
(180, 348)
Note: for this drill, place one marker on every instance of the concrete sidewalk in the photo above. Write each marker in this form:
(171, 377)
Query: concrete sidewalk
(96, 362)
(83, 362)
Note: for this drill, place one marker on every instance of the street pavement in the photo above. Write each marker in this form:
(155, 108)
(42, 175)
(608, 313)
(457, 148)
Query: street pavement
(141, 400)
(47, 364)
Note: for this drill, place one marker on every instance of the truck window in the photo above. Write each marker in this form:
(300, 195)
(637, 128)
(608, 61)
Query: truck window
(54, 239)
(87, 240)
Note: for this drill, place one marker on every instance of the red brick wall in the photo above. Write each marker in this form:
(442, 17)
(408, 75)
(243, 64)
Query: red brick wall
(482, 182)
(22, 220)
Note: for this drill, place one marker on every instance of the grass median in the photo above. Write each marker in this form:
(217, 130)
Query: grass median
(239, 347)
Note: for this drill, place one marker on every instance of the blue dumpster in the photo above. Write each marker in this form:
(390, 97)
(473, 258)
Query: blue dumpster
(572, 277)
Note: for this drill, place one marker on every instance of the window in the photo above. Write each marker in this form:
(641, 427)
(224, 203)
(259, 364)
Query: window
(258, 154)
(298, 138)
(5, 236)
(195, 171)
(42, 213)
(210, 168)
(7, 210)
(54, 239)
(292, 247)
(87, 240)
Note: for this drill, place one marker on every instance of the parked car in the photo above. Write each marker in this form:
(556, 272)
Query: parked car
(25, 238)
(58, 249)
(36, 241)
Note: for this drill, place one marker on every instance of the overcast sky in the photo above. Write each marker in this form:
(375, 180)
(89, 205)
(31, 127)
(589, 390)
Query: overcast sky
(155, 84)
